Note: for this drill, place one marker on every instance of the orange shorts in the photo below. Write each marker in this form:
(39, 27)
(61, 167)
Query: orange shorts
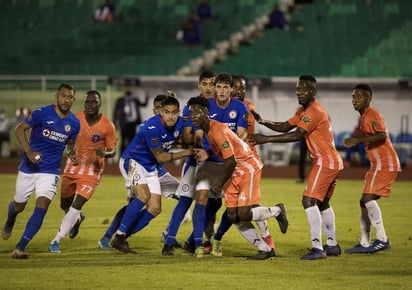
(243, 190)
(78, 185)
(321, 182)
(379, 182)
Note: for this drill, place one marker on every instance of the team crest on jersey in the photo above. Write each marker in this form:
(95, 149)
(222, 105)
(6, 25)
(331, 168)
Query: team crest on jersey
(232, 114)
(176, 134)
(46, 132)
(95, 138)
(306, 119)
(225, 145)
(155, 140)
(373, 124)
(67, 128)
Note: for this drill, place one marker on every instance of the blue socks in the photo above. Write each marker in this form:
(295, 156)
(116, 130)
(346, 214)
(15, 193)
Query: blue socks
(224, 226)
(32, 227)
(130, 215)
(142, 220)
(178, 214)
(199, 219)
(115, 223)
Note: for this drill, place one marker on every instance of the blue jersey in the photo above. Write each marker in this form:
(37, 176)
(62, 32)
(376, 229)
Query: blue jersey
(49, 136)
(151, 135)
(187, 122)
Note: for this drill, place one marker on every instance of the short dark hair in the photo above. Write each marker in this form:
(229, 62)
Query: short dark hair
(66, 86)
(159, 98)
(224, 78)
(169, 100)
(199, 100)
(309, 78)
(93, 92)
(207, 74)
(364, 87)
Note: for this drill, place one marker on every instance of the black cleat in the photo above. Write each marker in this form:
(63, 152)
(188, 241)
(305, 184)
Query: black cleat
(282, 219)
(75, 229)
(120, 243)
(189, 247)
(262, 255)
(168, 250)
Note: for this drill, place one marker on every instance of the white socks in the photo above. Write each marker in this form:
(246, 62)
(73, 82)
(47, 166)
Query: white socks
(248, 231)
(315, 222)
(365, 228)
(375, 217)
(328, 223)
(68, 222)
(260, 213)
(263, 228)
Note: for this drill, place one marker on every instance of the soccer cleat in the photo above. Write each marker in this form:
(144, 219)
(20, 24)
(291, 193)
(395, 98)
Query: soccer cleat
(262, 255)
(268, 240)
(18, 254)
(199, 252)
(332, 250)
(207, 247)
(54, 248)
(75, 229)
(314, 254)
(189, 247)
(216, 248)
(358, 249)
(168, 250)
(163, 237)
(104, 244)
(282, 219)
(377, 246)
(120, 243)
(7, 229)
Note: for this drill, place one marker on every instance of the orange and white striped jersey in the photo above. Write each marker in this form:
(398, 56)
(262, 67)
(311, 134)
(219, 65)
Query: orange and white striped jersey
(250, 119)
(319, 137)
(100, 135)
(381, 154)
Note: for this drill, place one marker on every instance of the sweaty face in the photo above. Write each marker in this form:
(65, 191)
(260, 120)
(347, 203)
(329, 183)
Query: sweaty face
(305, 92)
(207, 87)
(198, 115)
(360, 100)
(65, 99)
(170, 114)
(92, 104)
(239, 89)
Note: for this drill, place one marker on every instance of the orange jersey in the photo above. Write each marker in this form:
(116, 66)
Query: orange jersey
(381, 154)
(319, 137)
(225, 144)
(250, 119)
(100, 135)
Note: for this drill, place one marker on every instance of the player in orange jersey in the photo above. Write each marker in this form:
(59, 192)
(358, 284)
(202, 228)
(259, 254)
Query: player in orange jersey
(384, 168)
(312, 123)
(240, 180)
(95, 142)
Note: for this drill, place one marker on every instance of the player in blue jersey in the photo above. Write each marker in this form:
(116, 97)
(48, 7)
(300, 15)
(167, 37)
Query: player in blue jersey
(138, 165)
(186, 189)
(52, 128)
(168, 184)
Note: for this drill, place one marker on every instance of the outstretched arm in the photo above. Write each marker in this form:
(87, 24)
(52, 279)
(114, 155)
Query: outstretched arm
(281, 138)
(275, 126)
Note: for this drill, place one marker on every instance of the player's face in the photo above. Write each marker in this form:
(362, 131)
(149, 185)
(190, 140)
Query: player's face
(92, 104)
(360, 100)
(207, 87)
(170, 114)
(305, 92)
(223, 92)
(239, 89)
(198, 115)
(64, 100)
(157, 106)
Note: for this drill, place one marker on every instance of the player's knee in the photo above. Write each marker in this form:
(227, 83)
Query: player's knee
(308, 202)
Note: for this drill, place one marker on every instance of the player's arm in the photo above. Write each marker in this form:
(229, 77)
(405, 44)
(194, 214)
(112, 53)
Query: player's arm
(163, 157)
(71, 152)
(277, 126)
(293, 136)
(106, 152)
(20, 131)
(242, 132)
(353, 141)
(229, 165)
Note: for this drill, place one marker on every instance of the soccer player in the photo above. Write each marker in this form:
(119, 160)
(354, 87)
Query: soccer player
(384, 168)
(312, 123)
(52, 128)
(240, 179)
(138, 165)
(186, 189)
(168, 185)
(95, 142)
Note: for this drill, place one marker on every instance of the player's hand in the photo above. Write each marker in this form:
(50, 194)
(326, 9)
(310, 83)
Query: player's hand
(256, 139)
(74, 158)
(100, 152)
(200, 154)
(350, 142)
(34, 156)
(257, 117)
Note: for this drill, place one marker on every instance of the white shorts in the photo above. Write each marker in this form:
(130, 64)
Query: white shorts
(187, 183)
(206, 173)
(139, 175)
(43, 184)
(168, 185)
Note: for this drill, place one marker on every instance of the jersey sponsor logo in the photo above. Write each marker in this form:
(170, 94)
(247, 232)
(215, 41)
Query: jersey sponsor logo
(226, 145)
(56, 136)
(50, 122)
(232, 114)
(151, 127)
(306, 119)
(95, 138)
